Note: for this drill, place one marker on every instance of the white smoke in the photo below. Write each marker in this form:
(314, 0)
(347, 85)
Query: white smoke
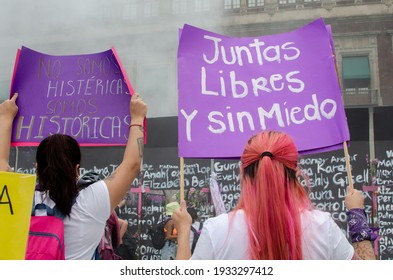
(144, 35)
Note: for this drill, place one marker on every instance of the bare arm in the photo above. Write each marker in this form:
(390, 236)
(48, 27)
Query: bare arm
(122, 203)
(121, 179)
(123, 228)
(363, 249)
(8, 110)
(182, 222)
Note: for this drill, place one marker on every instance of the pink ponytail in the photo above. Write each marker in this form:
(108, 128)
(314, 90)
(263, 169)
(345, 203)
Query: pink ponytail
(272, 197)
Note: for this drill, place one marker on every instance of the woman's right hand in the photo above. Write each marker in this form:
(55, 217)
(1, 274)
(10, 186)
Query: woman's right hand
(354, 199)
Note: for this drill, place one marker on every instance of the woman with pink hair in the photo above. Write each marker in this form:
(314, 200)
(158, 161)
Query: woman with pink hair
(274, 218)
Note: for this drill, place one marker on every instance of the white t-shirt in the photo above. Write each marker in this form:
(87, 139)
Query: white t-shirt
(84, 228)
(322, 238)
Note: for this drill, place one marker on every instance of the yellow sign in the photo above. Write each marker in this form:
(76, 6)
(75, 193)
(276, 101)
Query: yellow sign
(16, 198)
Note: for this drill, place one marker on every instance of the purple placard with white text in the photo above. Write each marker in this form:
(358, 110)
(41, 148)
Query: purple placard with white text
(233, 88)
(84, 96)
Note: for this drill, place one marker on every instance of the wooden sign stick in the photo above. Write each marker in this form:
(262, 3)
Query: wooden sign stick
(181, 178)
(348, 164)
(347, 159)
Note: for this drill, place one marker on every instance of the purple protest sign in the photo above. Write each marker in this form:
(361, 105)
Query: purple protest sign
(233, 88)
(84, 96)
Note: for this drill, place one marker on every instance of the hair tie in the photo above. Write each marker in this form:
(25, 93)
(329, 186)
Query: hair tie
(268, 154)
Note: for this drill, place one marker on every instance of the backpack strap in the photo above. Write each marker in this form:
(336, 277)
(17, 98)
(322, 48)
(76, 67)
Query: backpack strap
(96, 255)
(195, 239)
(49, 211)
(196, 235)
(42, 206)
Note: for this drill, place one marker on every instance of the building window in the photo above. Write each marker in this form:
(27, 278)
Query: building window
(255, 3)
(231, 4)
(202, 5)
(129, 10)
(150, 8)
(285, 2)
(356, 75)
(179, 7)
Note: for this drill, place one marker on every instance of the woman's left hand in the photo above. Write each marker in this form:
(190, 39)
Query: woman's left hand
(8, 108)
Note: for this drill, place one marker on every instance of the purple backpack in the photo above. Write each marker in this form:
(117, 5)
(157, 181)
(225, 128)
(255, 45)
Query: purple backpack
(111, 239)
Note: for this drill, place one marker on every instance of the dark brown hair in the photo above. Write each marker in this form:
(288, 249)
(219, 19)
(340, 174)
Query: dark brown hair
(57, 157)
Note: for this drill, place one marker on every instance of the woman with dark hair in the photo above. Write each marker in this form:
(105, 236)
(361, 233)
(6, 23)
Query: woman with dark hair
(274, 218)
(57, 162)
(58, 158)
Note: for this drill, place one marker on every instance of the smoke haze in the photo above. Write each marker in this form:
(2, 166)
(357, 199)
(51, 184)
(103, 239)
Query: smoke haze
(144, 36)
